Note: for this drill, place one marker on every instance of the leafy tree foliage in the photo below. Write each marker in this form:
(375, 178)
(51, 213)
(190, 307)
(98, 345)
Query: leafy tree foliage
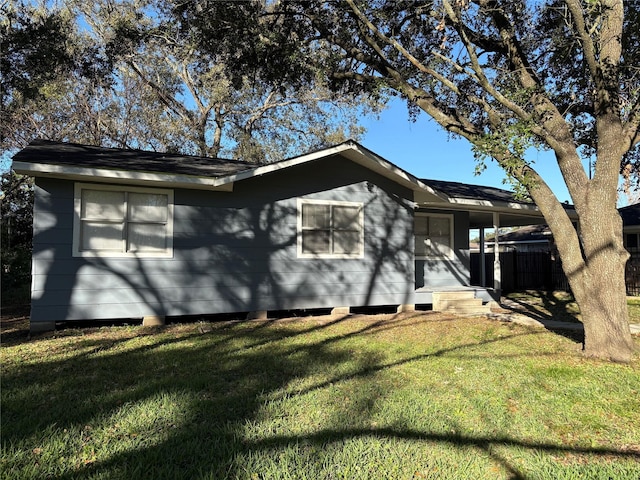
(16, 235)
(44, 64)
(507, 75)
(164, 92)
(34, 51)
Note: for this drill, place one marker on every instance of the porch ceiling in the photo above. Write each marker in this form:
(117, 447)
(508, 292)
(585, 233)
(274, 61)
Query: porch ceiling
(481, 202)
(483, 219)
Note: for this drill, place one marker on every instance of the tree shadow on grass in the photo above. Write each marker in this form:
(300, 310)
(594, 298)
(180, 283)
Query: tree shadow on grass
(552, 309)
(220, 383)
(543, 306)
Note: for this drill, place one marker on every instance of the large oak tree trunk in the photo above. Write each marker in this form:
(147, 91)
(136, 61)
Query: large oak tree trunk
(594, 260)
(599, 287)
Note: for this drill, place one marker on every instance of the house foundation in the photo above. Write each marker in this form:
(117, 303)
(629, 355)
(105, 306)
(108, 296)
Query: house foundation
(153, 321)
(340, 310)
(407, 307)
(257, 315)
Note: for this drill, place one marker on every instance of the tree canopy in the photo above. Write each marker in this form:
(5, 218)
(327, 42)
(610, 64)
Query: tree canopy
(127, 74)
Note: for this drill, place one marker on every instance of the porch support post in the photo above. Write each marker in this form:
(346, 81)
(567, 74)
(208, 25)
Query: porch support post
(497, 286)
(483, 265)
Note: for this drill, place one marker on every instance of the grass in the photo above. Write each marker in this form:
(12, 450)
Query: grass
(634, 309)
(559, 306)
(411, 396)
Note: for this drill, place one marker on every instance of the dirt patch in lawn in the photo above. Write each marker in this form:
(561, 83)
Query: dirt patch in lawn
(14, 323)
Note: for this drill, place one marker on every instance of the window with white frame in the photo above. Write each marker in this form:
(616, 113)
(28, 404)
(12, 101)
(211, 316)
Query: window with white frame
(330, 229)
(433, 236)
(122, 221)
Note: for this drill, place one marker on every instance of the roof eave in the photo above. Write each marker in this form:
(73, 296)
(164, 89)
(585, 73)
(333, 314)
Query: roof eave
(500, 207)
(130, 177)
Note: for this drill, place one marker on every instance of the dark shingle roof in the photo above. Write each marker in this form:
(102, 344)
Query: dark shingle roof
(630, 215)
(59, 153)
(473, 192)
(526, 234)
(85, 156)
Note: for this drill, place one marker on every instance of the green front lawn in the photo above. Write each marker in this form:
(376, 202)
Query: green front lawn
(415, 396)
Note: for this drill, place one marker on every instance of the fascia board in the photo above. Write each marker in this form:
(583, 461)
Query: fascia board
(119, 176)
(469, 202)
(514, 242)
(499, 207)
(521, 208)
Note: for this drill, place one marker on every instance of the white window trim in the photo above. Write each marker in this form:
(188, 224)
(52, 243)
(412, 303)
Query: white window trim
(77, 202)
(360, 205)
(450, 254)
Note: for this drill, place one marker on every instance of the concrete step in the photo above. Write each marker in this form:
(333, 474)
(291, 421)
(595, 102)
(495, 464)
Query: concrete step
(442, 300)
(462, 302)
(469, 309)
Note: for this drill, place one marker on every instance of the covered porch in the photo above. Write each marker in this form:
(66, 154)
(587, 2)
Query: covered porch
(473, 208)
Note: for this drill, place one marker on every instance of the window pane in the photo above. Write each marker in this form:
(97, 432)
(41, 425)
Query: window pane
(421, 225)
(433, 236)
(102, 205)
(315, 216)
(444, 240)
(147, 207)
(101, 236)
(438, 227)
(438, 246)
(632, 240)
(315, 241)
(144, 237)
(346, 218)
(346, 242)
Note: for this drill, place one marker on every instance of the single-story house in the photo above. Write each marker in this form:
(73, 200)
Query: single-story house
(134, 234)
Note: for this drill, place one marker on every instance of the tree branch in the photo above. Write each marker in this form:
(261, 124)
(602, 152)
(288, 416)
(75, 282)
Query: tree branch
(398, 47)
(588, 48)
(632, 127)
(480, 76)
(167, 100)
(555, 132)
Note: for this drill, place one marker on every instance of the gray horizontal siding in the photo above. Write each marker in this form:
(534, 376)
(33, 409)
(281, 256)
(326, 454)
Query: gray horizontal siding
(232, 252)
(172, 296)
(104, 280)
(136, 310)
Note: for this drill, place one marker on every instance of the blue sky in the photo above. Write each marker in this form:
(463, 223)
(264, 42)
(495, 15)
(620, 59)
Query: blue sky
(425, 150)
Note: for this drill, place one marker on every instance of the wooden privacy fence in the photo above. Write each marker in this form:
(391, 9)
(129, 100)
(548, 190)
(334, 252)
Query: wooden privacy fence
(522, 271)
(540, 271)
(633, 272)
